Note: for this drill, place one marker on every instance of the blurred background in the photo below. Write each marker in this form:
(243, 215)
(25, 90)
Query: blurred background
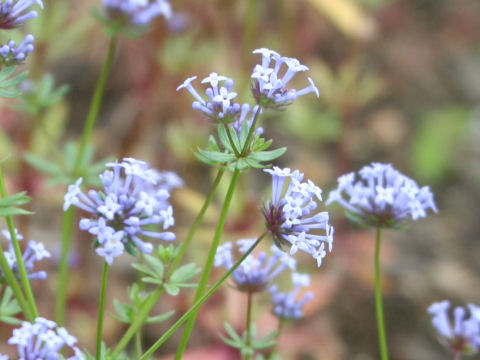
(399, 83)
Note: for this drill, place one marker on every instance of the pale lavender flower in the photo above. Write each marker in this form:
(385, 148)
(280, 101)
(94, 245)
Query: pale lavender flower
(134, 197)
(14, 12)
(35, 251)
(382, 196)
(137, 12)
(463, 336)
(290, 305)
(44, 340)
(13, 54)
(271, 77)
(257, 269)
(219, 104)
(290, 216)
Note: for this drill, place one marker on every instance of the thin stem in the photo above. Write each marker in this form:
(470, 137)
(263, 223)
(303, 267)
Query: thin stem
(281, 323)
(18, 255)
(193, 310)
(61, 301)
(138, 343)
(13, 283)
(378, 301)
(209, 263)
(227, 129)
(153, 298)
(68, 216)
(251, 131)
(101, 310)
(95, 104)
(248, 341)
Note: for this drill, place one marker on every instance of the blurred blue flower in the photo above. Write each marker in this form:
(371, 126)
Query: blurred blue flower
(289, 215)
(43, 340)
(135, 196)
(269, 86)
(14, 12)
(13, 54)
(257, 269)
(382, 197)
(137, 12)
(290, 305)
(35, 251)
(464, 337)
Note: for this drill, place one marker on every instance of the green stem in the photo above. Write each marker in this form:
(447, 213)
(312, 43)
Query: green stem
(232, 144)
(138, 343)
(281, 323)
(193, 310)
(378, 301)
(61, 300)
(101, 310)
(248, 341)
(209, 263)
(153, 298)
(18, 255)
(95, 104)
(68, 216)
(250, 133)
(13, 283)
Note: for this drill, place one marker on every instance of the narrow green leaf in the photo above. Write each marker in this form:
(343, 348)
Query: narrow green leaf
(160, 318)
(184, 273)
(171, 289)
(156, 265)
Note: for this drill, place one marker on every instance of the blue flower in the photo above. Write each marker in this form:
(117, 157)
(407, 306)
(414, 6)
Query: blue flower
(137, 12)
(463, 338)
(13, 54)
(43, 340)
(290, 217)
(14, 12)
(35, 251)
(383, 196)
(269, 87)
(219, 104)
(134, 197)
(256, 270)
(290, 305)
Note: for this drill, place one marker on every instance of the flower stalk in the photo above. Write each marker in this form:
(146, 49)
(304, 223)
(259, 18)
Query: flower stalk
(101, 310)
(68, 216)
(378, 300)
(194, 309)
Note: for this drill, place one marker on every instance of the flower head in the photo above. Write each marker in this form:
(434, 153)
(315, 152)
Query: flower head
(383, 196)
(134, 197)
(219, 104)
(464, 337)
(13, 54)
(14, 12)
(137, 12)
(290, 305)
(257, 269)
(35, 251)
(290, 214)
(271, 77)
(44, 340)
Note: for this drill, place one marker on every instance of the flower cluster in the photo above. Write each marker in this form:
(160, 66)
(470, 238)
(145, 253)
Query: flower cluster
(290, 305)
(14, 12)
(43, 340)
(35, 251)
(464, 337)
(257, 269)
(382, 197)
(289, 216)
(12, 54)
(270, 80)
(134, 197)
(219, 105)
(137, 12)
